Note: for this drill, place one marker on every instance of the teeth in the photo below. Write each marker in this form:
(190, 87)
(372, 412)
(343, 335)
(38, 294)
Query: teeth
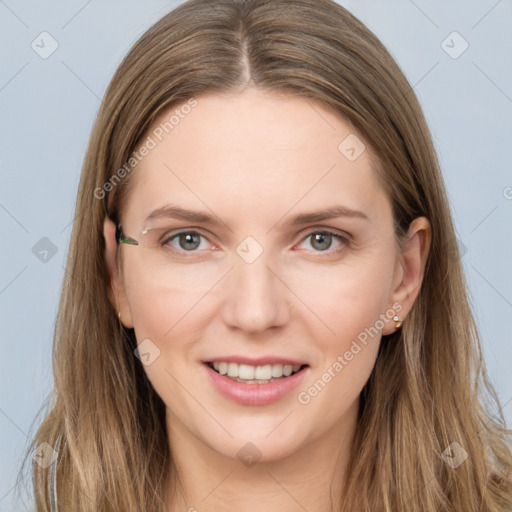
(288, 369)
(247, 372)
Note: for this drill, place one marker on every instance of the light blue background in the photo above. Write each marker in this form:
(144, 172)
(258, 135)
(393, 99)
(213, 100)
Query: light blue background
(47, 108)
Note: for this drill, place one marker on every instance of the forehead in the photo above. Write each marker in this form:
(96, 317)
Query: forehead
(255, 153)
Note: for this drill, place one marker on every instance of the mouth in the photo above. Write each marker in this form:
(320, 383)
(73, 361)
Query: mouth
(251, 374)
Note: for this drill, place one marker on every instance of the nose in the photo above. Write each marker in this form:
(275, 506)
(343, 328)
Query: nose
(256, 299)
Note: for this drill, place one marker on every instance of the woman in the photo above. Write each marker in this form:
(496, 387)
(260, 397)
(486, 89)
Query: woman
(264, 305)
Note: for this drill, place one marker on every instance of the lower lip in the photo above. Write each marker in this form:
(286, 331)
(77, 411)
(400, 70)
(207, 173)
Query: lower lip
(255, 394)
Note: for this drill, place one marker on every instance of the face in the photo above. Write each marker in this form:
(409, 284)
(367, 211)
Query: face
(259, 285)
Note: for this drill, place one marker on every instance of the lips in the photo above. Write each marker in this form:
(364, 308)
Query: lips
(255, 390)
(255, 370)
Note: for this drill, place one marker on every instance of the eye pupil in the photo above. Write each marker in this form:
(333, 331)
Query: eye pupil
(325, 240)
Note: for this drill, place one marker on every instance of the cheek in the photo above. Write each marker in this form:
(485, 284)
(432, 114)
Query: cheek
(346, 297)
(165, 316)
(162, 300)
(352, 305)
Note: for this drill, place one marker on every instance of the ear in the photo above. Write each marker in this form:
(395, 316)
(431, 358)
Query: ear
(117, 292)
(410, 270)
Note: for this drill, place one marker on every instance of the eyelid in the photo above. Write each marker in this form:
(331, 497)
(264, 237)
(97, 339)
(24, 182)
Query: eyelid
(342, 236)
(170, 233)
(324, 229)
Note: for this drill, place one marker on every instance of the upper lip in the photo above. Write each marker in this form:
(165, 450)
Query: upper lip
(256, 361)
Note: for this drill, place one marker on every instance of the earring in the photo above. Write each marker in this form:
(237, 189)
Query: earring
(398, 322)
(119, 315)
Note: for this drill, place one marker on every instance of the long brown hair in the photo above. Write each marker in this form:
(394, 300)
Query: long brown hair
(428, 388)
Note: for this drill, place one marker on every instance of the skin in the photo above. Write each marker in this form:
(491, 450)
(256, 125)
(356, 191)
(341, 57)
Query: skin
(254, 160)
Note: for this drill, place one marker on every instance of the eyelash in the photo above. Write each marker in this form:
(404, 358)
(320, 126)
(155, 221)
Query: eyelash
(344, 239)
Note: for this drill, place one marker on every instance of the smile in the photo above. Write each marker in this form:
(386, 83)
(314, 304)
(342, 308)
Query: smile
(254, 385)
(250, 374)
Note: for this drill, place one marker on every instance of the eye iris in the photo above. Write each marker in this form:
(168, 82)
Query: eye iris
(325, 240)
(188, 238)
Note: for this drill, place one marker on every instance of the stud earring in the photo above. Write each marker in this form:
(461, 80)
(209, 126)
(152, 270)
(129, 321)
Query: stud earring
(398, 322)
(118, 311)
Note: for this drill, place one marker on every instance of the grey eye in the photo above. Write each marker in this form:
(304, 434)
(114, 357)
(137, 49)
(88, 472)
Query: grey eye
(321, 241)
(189, 241)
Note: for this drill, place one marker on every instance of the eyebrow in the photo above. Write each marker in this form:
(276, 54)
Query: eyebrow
(176, 212)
